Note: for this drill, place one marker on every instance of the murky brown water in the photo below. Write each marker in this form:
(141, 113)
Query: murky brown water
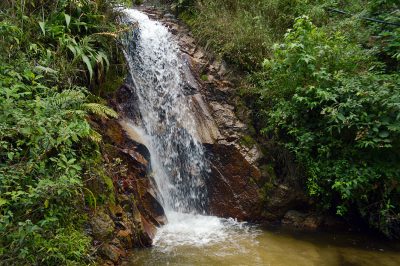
(278, 248)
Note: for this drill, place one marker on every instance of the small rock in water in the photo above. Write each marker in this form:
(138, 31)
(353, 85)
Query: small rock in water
(169, 16)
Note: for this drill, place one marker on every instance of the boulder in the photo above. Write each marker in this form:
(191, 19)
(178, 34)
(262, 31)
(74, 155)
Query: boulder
(102, 225)
(300, 220)
(112, 252)
(281, 198)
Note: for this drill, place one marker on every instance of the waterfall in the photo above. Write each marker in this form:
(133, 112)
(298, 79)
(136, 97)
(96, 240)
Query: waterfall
(167, 127)
(178, 159)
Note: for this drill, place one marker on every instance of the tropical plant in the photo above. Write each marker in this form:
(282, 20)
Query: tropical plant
(49, 52)
(320, 96)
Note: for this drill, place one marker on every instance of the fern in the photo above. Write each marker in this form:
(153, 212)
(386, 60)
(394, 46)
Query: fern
(100, 110)
(67, 97)
(95, 136)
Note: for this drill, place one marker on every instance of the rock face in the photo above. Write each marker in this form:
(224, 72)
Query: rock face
(130, 215)
(232, 188)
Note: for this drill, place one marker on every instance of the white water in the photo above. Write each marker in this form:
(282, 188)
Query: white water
(168, 130)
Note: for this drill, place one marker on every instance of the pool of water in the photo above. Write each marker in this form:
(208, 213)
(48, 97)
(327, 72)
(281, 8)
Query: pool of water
(202, 240)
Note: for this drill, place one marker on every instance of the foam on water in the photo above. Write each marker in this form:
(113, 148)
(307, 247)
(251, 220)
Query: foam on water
(197, 230)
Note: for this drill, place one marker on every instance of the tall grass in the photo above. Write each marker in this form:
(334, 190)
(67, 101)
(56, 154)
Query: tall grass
(242, 32)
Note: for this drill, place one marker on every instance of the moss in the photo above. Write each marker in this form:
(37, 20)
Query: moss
(247, 141)
(102, 191)
(265, 192)
(204, 77)
(109, 188)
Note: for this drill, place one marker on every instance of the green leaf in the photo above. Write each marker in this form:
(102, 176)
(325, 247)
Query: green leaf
(10, 155)
(67, 19)
(46, 203)
(340, 116)
(3, 202)
(42, 25)
(89, 65)
(384, 134)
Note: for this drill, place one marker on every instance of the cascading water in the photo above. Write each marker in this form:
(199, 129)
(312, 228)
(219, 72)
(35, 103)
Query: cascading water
(168, 129)
(155, 69)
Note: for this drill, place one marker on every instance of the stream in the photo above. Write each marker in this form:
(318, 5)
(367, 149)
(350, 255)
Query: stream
(179, 171)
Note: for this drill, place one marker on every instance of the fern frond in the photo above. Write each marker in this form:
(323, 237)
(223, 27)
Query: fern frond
(95, 136)
(100, 110)
(66, 98)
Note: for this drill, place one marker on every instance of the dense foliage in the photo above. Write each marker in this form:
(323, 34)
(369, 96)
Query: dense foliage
(325, 82)
(340, 118)
(50, 51)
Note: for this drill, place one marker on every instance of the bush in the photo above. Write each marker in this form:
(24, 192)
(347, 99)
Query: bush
(47, 147)
(322, 97)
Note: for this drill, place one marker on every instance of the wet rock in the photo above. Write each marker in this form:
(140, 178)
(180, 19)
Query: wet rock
(191, 85)
(282, 198)
(149, 228)
(232, 189)
(112, 252)
(312, 222)
(302, 220)
(102, 225)
(116, 211)
(169, 16)
(206, 127)
(226, 119)
(127, 101)
(134, 213)
(152, 209)
(125, 237)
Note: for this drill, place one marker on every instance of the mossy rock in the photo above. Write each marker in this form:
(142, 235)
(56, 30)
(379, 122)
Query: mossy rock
(102, 225)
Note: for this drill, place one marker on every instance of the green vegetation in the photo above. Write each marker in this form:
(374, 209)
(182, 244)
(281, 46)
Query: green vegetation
(51, 53)
(326, 85)
(340, 118)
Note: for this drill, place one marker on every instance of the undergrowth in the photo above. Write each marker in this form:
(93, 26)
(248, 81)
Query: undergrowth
(54, 56)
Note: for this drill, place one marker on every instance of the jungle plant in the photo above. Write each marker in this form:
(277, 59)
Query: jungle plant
(321, 96)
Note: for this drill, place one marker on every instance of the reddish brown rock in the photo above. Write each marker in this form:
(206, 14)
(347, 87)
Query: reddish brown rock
(149, 228)
(232, 189)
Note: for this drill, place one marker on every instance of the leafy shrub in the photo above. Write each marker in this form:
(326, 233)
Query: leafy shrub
(47, 146)
(41, 167)
(320, 95)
